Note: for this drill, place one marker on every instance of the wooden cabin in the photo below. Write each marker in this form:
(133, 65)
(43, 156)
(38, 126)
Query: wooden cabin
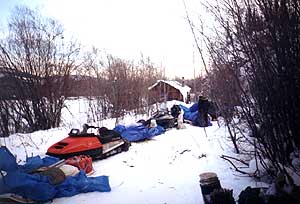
(168, 90)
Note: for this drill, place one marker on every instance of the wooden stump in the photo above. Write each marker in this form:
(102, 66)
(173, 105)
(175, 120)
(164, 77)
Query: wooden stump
(208, 183)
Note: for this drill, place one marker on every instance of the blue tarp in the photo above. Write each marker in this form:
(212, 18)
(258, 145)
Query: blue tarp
(7, 160)
(38, 187)
(194, 107)
(136, 133)
(191, 114)
(36, 162)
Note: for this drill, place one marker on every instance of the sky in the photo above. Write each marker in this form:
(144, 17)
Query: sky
(126, 29)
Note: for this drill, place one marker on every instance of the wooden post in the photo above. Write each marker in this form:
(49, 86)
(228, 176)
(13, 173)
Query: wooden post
(208, 183)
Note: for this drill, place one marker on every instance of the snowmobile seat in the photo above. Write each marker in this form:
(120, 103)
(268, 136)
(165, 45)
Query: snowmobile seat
(166, 121)
(77, 133)
(106, 135)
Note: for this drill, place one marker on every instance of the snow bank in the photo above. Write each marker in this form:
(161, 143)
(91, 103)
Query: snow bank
(164, 169)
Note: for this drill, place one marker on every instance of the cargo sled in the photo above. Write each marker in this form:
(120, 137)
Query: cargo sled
(100, 145)
(165, 119)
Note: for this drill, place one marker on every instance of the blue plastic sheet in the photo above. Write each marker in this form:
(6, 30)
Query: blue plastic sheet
(38, 187)
(192, 114)
(37, 162)
(83, 184)
(7, 160)
(138, 132)
(194, 107)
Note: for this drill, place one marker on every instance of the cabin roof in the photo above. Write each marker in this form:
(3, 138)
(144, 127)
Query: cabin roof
(182, 89)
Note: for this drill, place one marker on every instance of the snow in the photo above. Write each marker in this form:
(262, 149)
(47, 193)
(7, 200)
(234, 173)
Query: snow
(164, 169)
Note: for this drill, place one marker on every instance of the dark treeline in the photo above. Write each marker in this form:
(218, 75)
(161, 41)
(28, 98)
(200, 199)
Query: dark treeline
(39, 69)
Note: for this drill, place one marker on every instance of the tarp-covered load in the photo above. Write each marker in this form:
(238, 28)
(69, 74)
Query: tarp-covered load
(141, 132)
(20, 181)
(192, 114)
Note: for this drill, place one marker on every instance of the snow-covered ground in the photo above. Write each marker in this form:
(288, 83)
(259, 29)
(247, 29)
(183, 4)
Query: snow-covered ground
(162, 170)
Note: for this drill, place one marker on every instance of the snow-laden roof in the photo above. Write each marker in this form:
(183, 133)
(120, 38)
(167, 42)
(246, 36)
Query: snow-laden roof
(182, 89)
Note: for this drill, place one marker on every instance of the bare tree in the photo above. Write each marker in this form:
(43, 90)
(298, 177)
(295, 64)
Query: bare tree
(256, 47)
(127, 84)
(38, 62)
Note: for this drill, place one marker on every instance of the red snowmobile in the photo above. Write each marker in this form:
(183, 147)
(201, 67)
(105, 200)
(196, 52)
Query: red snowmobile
(98, 146)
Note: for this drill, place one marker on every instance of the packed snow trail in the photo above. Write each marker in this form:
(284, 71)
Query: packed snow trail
(165, 169)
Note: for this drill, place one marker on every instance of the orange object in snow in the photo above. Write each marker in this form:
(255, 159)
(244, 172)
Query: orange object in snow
(82, 162)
